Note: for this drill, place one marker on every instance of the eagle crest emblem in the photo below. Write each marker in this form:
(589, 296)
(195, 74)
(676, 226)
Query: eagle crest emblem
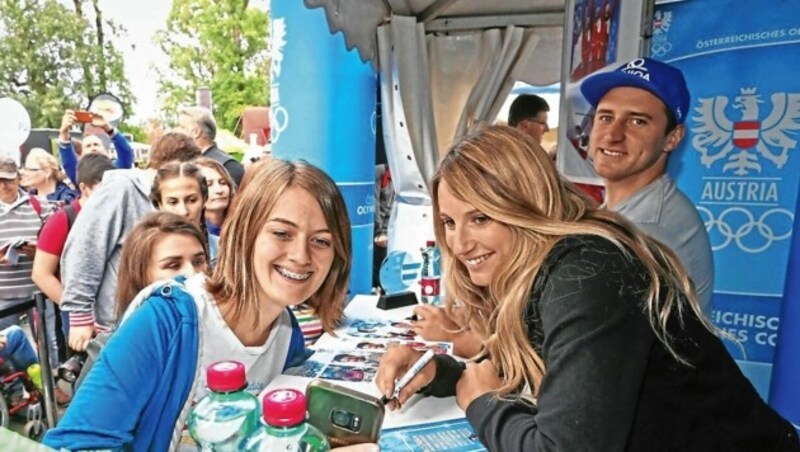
(743, 142)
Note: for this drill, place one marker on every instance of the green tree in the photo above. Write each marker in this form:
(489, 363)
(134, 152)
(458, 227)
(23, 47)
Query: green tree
(53, 58)
(137, 130)
(219, 44)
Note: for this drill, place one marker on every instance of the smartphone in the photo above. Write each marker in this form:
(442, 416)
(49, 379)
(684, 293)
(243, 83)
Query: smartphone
(9, 247)
(83, 116)
(12, 255)
(344, 415)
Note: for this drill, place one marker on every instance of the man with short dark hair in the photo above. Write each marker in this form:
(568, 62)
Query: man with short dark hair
(91, 255)
(640, 109)
(198, 123)
(528, 113)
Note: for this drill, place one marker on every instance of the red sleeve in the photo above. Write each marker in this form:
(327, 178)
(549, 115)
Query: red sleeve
(54, 234)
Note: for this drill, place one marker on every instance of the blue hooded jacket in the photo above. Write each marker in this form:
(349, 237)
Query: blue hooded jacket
(134, 394)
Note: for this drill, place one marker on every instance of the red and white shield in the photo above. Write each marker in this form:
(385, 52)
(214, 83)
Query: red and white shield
(745, 134)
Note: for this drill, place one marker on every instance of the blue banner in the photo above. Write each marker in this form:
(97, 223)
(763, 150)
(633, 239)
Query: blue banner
(323, 111)
(737, 161)
(456, 435)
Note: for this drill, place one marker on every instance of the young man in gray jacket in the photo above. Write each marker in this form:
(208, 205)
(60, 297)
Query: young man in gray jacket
(91, 255)
(640, 112)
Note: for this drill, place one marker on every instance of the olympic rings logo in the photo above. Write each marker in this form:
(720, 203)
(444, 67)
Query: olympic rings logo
(751, 235)
(660, 47)
(279, 119)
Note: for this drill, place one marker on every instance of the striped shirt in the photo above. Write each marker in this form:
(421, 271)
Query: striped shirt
(19, 222)
(310, 323)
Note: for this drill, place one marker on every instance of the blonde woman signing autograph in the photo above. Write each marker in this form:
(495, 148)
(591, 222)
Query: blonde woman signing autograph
(595, 338)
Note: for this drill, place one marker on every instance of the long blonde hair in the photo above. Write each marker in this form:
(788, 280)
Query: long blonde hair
(233, 280)
(507, 176)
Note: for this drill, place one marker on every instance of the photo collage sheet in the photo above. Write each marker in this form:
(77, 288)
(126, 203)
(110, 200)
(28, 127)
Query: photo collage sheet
(353, 356)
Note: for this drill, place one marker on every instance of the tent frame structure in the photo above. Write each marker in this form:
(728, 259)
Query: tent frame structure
(445, 68)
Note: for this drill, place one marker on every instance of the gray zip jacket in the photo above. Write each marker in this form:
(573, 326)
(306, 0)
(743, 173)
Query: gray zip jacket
(91, 255)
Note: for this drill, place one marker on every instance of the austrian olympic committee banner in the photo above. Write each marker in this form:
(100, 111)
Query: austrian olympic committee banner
(738, 162)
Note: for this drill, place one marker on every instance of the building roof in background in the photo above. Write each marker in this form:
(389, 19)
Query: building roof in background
(255, 120)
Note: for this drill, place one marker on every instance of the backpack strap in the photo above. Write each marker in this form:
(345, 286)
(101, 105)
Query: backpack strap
(37, 206)
(69, 209)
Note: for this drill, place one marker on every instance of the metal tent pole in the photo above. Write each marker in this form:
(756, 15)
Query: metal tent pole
(39, 323)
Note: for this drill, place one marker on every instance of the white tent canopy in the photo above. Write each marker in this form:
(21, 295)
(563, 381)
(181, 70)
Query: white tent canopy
(358, 21)
(446, 66)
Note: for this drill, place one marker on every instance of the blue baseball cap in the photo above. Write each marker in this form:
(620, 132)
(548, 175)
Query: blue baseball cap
(662, 80)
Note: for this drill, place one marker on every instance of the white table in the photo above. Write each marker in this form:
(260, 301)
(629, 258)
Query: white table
(418, 410)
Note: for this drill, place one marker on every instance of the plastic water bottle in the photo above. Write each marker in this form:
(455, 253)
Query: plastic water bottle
(285, 427)
(228, 413)
(431, 274)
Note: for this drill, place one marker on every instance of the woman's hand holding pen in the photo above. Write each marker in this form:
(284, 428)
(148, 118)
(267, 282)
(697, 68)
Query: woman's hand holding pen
(394, 364)
(478, 379)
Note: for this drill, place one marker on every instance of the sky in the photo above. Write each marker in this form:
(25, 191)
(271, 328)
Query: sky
(142, 19)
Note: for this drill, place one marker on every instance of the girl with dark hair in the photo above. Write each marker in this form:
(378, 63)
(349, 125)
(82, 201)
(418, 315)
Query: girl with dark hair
(180, 188)
(163, 245)
(221, 190)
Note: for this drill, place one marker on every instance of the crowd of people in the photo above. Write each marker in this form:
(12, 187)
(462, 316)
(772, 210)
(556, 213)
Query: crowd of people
(584, 325)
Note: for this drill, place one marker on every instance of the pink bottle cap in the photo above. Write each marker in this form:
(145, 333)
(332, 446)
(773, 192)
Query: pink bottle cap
(284, 407)
(226, 376)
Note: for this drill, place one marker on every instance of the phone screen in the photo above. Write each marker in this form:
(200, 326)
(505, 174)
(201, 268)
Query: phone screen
(83, 116)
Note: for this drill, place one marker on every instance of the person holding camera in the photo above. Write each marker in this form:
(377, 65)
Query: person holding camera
(92, 142)
(595, 336)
